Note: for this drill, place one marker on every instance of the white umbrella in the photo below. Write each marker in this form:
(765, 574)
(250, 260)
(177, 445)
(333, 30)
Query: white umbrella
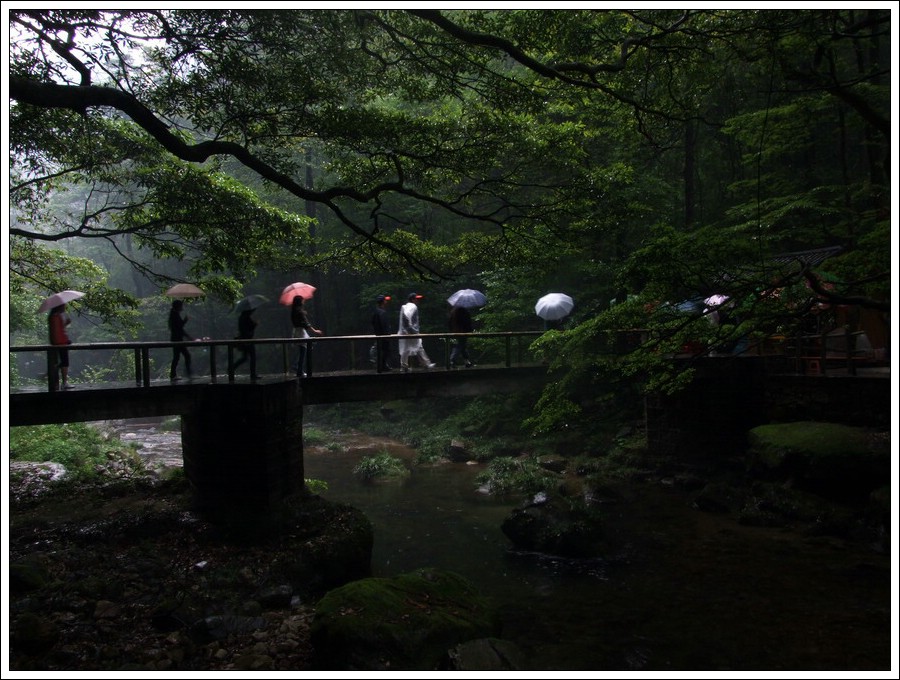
(716, 300)
(184, 290)
(60, 298)
(468, 297)
(554, 306)
(250, 302)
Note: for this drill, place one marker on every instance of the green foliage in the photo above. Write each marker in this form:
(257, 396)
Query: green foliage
(83, 450)
(432, 447)
(506, 475)
(314, 436)
(316, 486)
(381, 465)
(37, 271)
(172, 424)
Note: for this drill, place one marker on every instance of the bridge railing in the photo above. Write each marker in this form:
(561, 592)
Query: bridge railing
(324, 354)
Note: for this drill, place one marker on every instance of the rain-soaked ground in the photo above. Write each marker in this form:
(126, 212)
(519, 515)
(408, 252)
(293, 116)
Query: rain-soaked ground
(679, 589)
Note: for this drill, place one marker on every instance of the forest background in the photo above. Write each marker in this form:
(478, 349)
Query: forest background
(634, 159)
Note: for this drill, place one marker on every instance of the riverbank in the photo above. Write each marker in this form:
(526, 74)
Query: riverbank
(105, 578)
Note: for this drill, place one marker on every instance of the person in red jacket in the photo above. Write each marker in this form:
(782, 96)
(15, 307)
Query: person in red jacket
(57, 321)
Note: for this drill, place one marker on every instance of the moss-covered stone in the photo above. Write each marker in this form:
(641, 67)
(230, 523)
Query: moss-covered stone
(836, 461)
(407, 622)
(556, 527)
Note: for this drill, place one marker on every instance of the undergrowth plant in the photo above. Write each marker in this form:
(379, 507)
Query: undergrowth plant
(506, 475)
(382, 464)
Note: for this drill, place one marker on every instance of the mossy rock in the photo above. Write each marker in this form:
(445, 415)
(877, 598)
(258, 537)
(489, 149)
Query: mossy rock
(407, 622)
(336, 550)
(556, 527)
(839, 462)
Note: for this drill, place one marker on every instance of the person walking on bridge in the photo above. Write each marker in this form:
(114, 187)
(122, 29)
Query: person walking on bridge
(57, 320)
(381, 327)
(302, 329)
(246, 329)
(460, 321)
(409, 325)
(178, 334)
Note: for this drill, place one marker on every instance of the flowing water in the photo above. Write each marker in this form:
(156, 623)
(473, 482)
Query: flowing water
(679, 589)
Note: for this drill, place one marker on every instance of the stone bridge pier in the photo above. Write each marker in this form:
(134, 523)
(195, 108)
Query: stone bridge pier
(243, 445)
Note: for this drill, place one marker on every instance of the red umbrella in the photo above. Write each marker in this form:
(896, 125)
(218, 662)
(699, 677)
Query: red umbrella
(304, 290)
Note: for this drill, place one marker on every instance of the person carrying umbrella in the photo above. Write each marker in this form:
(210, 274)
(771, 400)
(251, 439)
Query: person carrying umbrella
(246, 329)
(178, 334)
(409, 325)
(380, 326)
(460, 321)
(57, 320)
(302, 329)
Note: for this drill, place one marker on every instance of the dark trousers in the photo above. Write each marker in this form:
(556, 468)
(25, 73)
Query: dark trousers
(177, 353)
(248, 352)
(460, 351)
(384, 353)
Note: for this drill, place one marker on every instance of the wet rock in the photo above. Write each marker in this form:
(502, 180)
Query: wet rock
(33, 634)
(553, 463)
(486, 654)
(254, 662)
(836, 461)
(104, 609)
(458, 452)
(555, 527)
(407, 622)
(25, 577)
(221, 626)
(718, 497)
(277, 597)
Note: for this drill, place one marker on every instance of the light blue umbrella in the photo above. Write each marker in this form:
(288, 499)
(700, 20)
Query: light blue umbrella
(467, 297)
(554, 306)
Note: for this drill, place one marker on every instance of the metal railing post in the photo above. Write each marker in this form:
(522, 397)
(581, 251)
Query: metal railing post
(145, 366)
(52, 370)
(137, 366)
(212, 362)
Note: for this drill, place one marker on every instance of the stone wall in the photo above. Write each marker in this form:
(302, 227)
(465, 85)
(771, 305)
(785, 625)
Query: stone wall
(730, 396)
(243, 444)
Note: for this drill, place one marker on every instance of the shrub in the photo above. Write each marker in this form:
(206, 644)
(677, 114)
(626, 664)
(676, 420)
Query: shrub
(313, 436)
(316, 486)
(522, 474)
(382, 464)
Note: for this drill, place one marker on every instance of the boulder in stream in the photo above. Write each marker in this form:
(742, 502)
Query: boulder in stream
(406, 622)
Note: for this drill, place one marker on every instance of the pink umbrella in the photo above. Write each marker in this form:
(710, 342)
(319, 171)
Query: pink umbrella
(60, 298)
(304, 290)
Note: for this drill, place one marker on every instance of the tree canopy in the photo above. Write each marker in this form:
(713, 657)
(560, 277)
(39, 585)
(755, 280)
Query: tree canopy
(636, 156)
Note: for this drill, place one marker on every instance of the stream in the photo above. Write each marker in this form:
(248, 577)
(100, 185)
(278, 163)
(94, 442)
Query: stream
(679, 590)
